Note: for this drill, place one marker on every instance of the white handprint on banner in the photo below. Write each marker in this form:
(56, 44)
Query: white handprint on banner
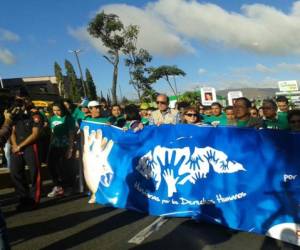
(196, 167)
(218, 160)
(189, 167)
(171, 181)
(152, 163)
(96, 167)
(150, 169)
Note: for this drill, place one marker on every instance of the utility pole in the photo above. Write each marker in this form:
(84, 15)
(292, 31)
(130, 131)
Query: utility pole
(81, 76)
(2, 86)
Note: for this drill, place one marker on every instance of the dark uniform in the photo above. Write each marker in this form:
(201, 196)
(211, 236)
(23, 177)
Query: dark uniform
(28, 156)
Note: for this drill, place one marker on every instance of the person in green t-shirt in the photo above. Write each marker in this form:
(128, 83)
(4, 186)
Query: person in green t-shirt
(117, 118)
(144, 113)
(95, 113)
(230, 118)
(241, 108)
(206, 114)
(62, 126)
(282, 114)
(217, 117)
(83, 111)
(282, 103)
(270, 120)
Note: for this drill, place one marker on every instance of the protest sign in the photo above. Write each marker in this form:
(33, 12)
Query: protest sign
(287, 86)
(232, 95)
(208, 96)
(242, 178)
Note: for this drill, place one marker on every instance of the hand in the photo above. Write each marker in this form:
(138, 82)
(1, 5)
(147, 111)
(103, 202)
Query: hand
(15, 149)
(7, 116)
(97, 169)
(171, 181)
(139, 127)
(69, 153)
(215, 123)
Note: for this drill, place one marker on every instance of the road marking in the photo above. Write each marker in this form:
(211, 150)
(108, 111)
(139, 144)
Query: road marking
(147, 231)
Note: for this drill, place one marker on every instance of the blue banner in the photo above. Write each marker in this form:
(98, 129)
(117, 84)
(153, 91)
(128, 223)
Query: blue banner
(242, 178)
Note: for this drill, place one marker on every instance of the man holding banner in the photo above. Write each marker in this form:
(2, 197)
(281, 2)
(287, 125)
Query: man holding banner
(163, 114)
(241, 108)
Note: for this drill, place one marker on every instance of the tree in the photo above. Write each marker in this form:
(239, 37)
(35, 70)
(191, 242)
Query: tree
(189, 97)
(72, 80)
(109, 29)
(60, 79)
(101, 95)
(91, 88)
(136, 62)
(149, 95)
(108, 99)
(125, 101)
(166, 72)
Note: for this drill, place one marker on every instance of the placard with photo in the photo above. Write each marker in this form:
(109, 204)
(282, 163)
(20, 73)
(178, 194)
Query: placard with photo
(208, 96)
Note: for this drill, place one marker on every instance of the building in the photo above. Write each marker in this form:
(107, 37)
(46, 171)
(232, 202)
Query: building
(37, 88)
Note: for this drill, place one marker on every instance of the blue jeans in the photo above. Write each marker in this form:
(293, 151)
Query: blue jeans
(4, 244)
(7, 153)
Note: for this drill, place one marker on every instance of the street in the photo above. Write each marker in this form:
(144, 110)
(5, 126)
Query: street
(72, 223)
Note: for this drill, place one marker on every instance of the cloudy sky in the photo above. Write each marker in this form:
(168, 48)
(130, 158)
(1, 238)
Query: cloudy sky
(217, 43)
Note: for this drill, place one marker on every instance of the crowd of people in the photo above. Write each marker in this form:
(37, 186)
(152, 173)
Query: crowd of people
(55, 139)
(33, 137)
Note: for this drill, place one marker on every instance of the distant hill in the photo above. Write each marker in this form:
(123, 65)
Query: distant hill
(252, 93)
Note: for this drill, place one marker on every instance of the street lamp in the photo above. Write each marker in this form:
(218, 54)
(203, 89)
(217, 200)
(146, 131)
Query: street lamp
(2, 86)
(81, 77)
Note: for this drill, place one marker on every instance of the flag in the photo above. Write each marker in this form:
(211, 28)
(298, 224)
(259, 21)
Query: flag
(242, 178)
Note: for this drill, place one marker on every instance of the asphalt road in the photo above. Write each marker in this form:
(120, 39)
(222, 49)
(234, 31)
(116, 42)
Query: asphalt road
(72, 223)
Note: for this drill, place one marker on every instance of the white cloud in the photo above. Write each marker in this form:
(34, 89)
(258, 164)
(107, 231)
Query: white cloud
(83, 35)
(155, 35)
(6, 35)
(278, 68)
(258, 28)
(167, 27)
(6, 56)
(289, 67)
(246, 82)
(201, 71)
(263, 69)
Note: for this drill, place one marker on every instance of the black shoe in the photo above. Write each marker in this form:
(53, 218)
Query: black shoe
(26, 204)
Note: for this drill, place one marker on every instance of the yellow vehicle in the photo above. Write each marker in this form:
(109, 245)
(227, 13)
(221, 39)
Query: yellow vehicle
(42, 104)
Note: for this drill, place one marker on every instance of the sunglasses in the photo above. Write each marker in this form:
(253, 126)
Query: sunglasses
(191, 115)
(159, 102)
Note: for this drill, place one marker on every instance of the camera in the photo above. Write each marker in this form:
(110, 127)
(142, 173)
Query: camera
(16, 106)
(6, 101)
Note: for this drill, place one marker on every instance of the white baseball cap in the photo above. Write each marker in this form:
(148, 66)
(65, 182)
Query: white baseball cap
(93, 104)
